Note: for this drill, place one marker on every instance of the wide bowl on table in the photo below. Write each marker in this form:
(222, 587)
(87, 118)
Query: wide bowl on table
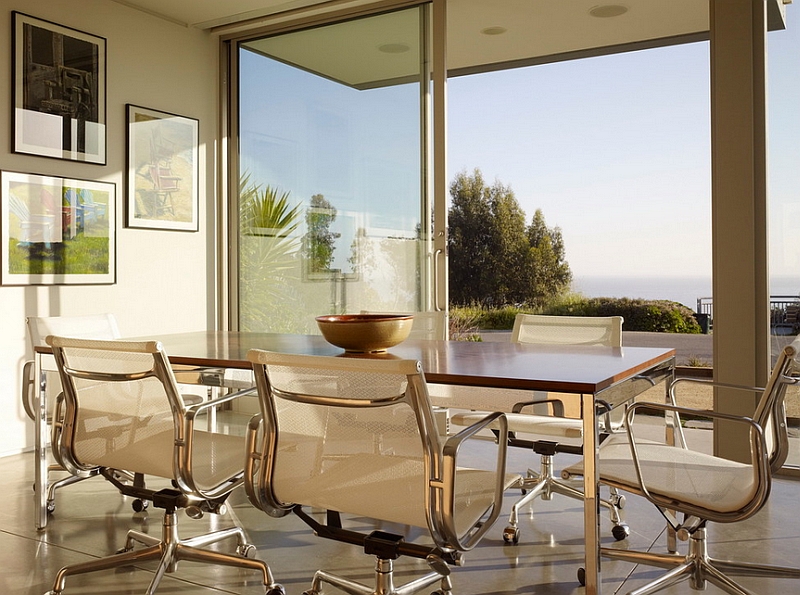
(365, 333)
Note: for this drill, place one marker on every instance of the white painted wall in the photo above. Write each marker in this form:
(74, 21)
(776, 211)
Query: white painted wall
(165, 279)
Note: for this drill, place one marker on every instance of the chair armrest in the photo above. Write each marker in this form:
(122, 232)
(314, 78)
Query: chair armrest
(497, 422)
(196, 408)
(558, 405)
(711, 383)
(28, 386)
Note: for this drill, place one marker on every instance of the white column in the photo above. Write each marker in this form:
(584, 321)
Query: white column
(739, 210)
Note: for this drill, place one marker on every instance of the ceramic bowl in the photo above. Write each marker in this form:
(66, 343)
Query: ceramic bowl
(364, 333)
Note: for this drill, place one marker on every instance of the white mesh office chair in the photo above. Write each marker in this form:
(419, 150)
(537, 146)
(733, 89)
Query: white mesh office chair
(122, 410)
(554, 330)
(92, 326)
(357, 436)
(703, 487)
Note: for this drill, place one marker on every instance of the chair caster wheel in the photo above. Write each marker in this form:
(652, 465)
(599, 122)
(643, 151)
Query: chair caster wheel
(621, 532)
(248, 550)
(139, 505)
(511, 535)
(276, 590)
(582, 576)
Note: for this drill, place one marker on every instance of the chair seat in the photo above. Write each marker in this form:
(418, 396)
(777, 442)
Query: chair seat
(688, 476)
(528, 424)
(381, 487)
(216, 456)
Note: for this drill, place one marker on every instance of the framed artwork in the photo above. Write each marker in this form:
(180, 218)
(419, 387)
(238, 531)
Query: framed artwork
(162, 170)
(57, 231)
(59, 89)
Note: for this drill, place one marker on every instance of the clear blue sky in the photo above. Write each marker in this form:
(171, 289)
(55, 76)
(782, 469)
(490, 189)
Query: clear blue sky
(616, 152)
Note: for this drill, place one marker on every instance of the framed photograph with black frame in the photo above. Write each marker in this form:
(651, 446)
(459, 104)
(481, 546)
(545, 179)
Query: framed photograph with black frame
(162, 170)
(57, 231)
(59, 82)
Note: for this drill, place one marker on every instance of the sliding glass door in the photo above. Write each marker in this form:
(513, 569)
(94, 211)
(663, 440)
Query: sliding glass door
(333, 201)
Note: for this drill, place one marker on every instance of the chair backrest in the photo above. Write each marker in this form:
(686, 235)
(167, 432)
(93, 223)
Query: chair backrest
(117, 395)
(429, 325)
(357, 436)
(91, 326)
(605, 331)
(568, 330)
(770, 411)
(123, 411)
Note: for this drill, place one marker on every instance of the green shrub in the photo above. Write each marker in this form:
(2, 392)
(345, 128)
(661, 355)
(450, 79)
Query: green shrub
(660, 316)
(499, 318)
(487, 319)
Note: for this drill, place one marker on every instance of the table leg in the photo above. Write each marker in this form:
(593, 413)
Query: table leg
(40, 445)
(674, 437)
(591, 503)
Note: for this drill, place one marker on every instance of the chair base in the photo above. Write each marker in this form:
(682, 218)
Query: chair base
(698, 567)
(60, 483)
(384, 582)
(169, 550)
(543, 485)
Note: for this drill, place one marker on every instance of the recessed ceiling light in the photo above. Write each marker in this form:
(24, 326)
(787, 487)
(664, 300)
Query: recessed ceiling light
(494, 30)
(393, 48)
(604, 11)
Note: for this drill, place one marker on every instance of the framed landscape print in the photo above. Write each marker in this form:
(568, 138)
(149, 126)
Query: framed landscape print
(57, 231)
(59, 89)
(162, 170)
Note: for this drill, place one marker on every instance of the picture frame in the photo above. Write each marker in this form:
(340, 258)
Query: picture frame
(57, 231)
(162, 170)
(59, 91)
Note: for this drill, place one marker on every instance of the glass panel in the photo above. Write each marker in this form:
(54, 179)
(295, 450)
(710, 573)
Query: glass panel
(331, 177)
(784, 205)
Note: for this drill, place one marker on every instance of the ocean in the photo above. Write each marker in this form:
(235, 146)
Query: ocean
(685, 290)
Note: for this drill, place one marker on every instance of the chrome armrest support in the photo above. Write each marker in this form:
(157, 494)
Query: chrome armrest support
(256, 464)
(498, 423)
(711, 383)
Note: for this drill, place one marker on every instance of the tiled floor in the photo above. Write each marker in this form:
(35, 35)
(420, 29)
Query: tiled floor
(91, 519)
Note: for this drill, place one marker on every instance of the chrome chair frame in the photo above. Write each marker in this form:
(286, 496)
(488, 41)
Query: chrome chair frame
(189, 494)
(440, 470)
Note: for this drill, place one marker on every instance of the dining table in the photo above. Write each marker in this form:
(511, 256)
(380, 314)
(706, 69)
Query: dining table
(594, 374)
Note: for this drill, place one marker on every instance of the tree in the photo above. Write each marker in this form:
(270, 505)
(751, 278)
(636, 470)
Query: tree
(319, 241)
(469, 240)
(494, 259)
(550, 273)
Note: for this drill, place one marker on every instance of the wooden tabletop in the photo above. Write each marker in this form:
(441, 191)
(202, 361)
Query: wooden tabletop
(570, 369)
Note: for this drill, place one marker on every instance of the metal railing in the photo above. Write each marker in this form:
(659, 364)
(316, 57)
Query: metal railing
(784, 313)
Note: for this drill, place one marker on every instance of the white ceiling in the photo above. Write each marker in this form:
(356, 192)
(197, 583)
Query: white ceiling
(536, 31)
